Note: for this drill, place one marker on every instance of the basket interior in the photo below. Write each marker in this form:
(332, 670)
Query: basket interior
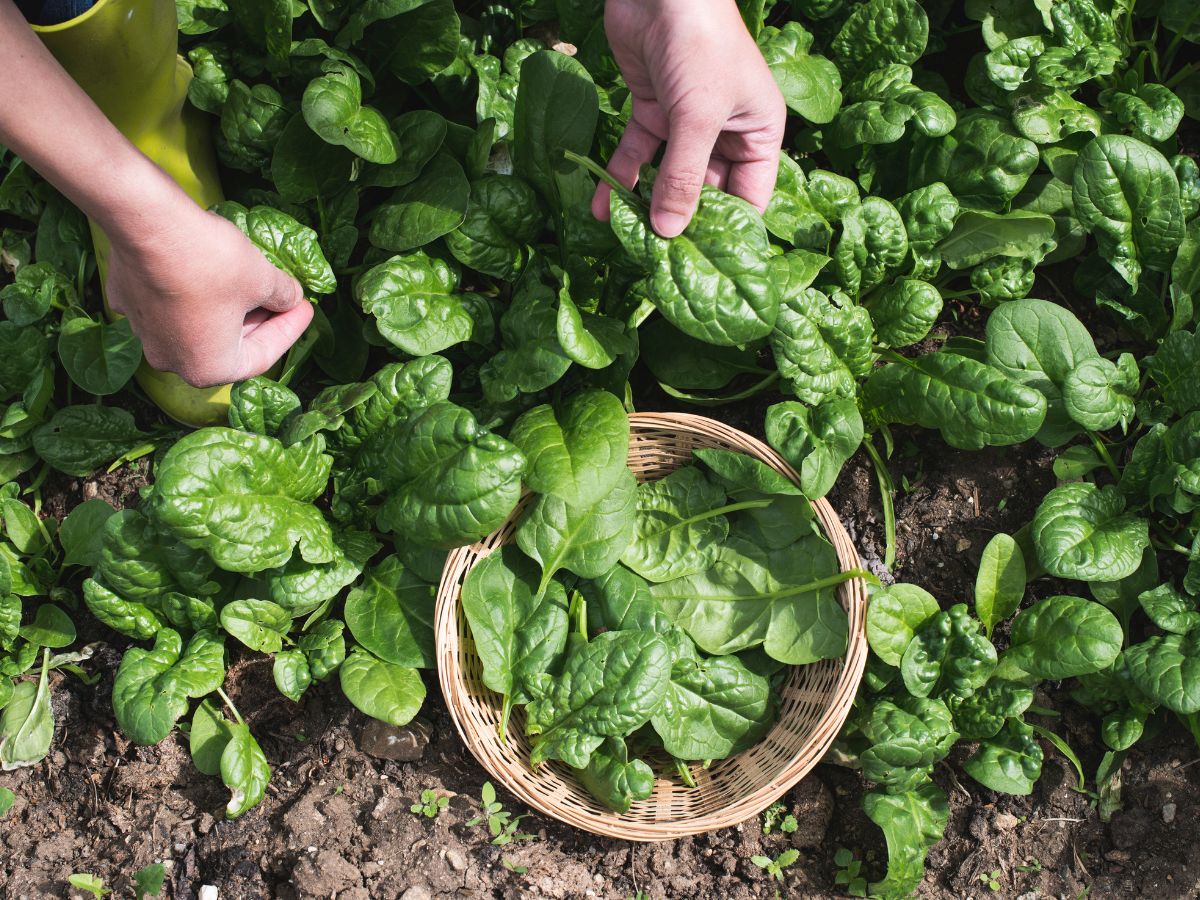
(727, 792)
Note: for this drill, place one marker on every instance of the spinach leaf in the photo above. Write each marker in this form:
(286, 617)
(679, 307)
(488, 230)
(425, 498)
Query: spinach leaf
(390, 613)
(1062, 637)
(152, 687)
(609, 686)
(1082, 531)
(894, 615)
(577, 450)
(613, 778)
(817, 441)
(390, 693)
(712, 708)
(1010, 762)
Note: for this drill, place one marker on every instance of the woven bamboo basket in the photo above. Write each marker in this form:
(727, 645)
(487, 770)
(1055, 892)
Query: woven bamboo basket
(815, 699)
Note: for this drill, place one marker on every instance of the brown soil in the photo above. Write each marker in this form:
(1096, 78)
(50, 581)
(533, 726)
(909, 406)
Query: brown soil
(336, 822)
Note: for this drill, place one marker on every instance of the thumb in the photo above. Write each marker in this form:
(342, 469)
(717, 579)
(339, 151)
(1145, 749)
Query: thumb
(281, 292)
(264, 343)
(685, 163)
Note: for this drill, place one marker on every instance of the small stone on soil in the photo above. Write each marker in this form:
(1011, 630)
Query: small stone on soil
(1168, 813)
(457, 859)
(404, 744)
(417, 892)
(1006, 821)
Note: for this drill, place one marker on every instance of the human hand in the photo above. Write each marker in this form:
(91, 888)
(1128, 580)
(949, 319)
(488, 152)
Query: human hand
(204, 301)
(699, 83)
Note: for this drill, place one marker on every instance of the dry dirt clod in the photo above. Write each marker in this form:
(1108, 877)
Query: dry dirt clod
(1006, 821)
(457, 859)
(1168, 813)
(404, 744)
(417, 892)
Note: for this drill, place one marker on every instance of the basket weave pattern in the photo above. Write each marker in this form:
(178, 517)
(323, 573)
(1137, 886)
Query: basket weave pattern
(815, 699)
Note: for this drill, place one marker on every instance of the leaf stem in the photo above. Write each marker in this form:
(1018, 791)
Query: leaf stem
(796, 589)
(594, 167)
(887, 490)
(723, 510)
(1104, 455)
(233, 709)
(685, 772)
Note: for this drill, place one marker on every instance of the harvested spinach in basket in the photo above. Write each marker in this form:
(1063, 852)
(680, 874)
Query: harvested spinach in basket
(653, 621)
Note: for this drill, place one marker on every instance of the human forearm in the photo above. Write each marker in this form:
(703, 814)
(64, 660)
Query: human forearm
(47, 120)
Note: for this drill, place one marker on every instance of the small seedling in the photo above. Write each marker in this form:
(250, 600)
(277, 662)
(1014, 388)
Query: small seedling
(848, 873)
(148, 881)
(501, 823)
(777, 818)
(7, 799)
(991, 880)
(86, 881)
(774, 867)
(1032, 865)
(431, 804)
(513, 867)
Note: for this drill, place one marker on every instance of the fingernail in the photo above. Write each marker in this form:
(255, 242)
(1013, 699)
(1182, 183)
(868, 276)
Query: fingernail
(669, 225)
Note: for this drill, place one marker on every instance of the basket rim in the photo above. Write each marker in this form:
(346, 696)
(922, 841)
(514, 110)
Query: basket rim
(456, 691)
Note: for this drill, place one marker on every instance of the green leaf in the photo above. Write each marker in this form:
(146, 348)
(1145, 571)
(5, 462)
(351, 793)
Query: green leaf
(390, 693)
(433, 205)
(577, 450)
(152, 687)
(608, 687)
(1127, 196)
(208, 736)
(261, 405)
(531, 358)
(912, 822)
(614, 779)
(148, 881)
(971, 403)
(36, 288)
(520, 631)
(1170, 609)
(244, 771)
(873, 243)
(259, 624)
(1082, 531)
(7, 798)
(979, 235)
(287, 245)
(415, 303)
(893, 616)
(556, 110)
(1166, 668)
(448, 480)
(593, 341)
(1010, 762)
(879, 32)
(680, 526)
(783, 598)
(586, 539)
(1000, 582)
(244, 498)
(1151, 112)
(390, 613)
(820, 346)
(1063, 637)
(82, 532)
(810, 84)
(332, 107)
(51, 627)
(712, 708)
(503, 217)
(1039, 344)
(1098, 394)
(712, 282)
(947, 654)
(903, 312)
(79, 439)
(27, 722)
(817, 441)
(306, 167)
(1174, 369)
(291, 675)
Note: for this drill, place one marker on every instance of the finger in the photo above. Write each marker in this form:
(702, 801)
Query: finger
(754, 181)
(636, 148)
(266, 343)
(718, 172)
(281, 291)
(685, 163)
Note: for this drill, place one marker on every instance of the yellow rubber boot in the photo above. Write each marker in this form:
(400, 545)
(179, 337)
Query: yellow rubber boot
(124, 54)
